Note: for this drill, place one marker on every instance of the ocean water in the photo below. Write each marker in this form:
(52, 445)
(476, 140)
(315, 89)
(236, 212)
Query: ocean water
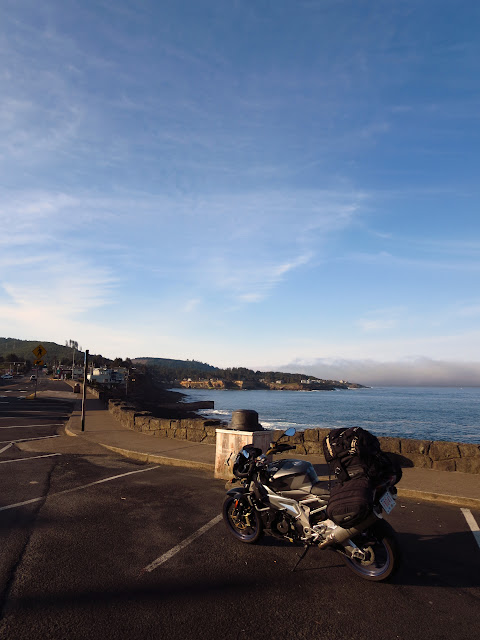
(431, 413)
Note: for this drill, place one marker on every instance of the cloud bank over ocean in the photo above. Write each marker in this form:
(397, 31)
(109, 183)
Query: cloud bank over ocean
(419, 371)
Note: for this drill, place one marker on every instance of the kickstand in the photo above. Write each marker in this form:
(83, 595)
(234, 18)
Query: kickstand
(304, 553)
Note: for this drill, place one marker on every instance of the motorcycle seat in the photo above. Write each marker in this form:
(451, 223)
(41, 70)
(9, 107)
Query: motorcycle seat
(318, 489)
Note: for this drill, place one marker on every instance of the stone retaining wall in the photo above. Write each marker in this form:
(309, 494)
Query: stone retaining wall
(440, 455)
(193, 429)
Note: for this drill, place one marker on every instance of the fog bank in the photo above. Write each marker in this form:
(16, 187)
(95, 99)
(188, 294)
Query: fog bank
(409, 372)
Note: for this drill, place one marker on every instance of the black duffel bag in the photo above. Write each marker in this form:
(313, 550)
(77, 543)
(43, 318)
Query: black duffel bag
(356, 452)
(350, 503)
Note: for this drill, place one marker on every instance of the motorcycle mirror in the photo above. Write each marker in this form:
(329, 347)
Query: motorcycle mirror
(291, 431)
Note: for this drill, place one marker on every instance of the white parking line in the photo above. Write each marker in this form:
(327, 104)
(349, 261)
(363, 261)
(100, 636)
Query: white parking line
(7, 447)
(47, 455)
(169, 554)
(472, 523)
(85, 486)
(28, 439)
(29, 426)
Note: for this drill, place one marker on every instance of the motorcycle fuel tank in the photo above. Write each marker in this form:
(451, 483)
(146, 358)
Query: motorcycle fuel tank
(291, 475)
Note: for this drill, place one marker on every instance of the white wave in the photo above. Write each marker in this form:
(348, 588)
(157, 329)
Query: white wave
(215, 412)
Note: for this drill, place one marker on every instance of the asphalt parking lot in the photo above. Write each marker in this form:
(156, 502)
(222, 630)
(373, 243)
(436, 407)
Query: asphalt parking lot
(97, 546)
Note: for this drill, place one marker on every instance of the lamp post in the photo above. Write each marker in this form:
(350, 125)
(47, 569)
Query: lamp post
(84, 395)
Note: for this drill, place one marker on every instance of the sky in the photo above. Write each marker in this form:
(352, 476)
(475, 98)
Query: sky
(283, 184)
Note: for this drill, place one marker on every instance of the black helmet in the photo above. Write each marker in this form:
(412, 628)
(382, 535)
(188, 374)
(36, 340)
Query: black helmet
(243, 460)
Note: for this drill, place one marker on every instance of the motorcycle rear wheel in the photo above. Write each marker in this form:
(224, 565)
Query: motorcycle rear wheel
(379, 542)
(242, 520)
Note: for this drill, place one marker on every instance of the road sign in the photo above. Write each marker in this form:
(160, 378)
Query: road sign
(39, 351)
(38, 363)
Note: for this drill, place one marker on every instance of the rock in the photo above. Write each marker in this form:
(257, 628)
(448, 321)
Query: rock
(468, 450)
(444, 465)
(444, 450)
(468, 465)
(416, 460)
(313, 448)
(414, 446)
(390, 445)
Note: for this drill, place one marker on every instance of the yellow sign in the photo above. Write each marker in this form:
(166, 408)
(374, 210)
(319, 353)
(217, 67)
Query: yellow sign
(38, 363)
(39, 351)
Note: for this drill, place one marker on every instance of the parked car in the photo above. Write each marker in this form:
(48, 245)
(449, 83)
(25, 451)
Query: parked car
(7, 376)
(33, 377)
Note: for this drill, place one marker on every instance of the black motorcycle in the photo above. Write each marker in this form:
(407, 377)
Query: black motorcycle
(285, 499)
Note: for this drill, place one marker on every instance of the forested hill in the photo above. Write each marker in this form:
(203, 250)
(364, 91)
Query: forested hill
(167, 369)
(13, 349)
(168, 363)
(170, 370)
(23, 349)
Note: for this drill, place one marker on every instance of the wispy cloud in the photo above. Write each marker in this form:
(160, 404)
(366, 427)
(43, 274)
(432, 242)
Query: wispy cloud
(381, 319)
(237, 246)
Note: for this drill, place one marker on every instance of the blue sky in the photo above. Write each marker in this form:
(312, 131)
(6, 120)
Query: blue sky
(283, 184)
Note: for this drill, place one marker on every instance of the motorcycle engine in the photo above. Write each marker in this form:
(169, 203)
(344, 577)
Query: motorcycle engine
(283, 526)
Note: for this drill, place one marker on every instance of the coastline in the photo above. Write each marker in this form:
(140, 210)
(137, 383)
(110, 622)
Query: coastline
(429, 413)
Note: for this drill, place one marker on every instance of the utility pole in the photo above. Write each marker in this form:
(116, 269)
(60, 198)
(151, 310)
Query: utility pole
(84, 395)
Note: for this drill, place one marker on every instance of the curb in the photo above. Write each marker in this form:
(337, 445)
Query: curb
(150, 457)
(70, 432)
(459, 501)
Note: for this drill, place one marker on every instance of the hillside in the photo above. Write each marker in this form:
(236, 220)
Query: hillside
(202, 375)
(169, 370)
(23, 349)
(167, 363)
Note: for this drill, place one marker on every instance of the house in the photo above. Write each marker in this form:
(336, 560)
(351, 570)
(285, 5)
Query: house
(108, 377)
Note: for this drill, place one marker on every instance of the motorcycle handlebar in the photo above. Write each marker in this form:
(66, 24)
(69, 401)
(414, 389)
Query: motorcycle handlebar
(279, 448)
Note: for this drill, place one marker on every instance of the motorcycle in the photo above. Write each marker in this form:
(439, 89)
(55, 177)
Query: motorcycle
(285, 499)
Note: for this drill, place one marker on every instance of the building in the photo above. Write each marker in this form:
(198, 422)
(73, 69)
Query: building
(108, 377)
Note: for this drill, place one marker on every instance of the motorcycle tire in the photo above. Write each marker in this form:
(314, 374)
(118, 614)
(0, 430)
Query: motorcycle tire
(383, 553)
(242, 521)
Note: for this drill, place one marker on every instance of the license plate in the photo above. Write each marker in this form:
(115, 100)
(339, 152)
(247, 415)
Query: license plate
(388, 501)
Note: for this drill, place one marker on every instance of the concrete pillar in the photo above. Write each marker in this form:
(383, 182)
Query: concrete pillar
(229, 442)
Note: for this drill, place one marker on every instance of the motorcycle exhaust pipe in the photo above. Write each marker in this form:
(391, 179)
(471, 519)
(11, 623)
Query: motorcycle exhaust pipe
(339, 535)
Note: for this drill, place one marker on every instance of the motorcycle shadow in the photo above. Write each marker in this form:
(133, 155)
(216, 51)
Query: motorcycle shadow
(437, 560)
(311, 562)
(450, 560)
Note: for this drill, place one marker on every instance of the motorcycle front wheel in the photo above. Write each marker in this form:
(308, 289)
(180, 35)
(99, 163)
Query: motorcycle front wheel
(242, 520)
(381, 553)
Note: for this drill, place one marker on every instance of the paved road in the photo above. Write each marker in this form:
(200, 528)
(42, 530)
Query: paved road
(75, 560)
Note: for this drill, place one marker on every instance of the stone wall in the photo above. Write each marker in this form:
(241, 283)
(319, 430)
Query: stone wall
(193, 429)
(440, 455)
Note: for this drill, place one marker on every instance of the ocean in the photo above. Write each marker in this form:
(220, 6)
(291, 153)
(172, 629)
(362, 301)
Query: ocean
(426, 413)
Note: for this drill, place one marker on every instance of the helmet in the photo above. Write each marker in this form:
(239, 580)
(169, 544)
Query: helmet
(244, 458)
